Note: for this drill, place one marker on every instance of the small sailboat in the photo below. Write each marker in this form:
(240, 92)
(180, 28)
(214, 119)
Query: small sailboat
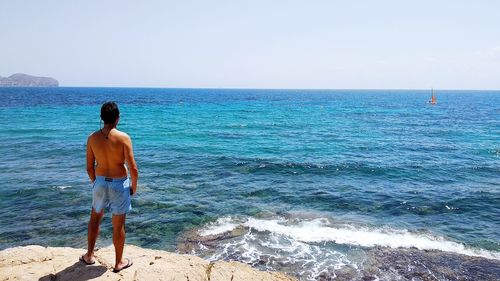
(433, 97)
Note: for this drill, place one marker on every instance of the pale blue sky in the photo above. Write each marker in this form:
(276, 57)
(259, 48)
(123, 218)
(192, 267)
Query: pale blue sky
(255, 44)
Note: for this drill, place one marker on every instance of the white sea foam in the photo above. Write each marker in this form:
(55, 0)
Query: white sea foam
(321, 230)
(273, 251)
(221, 225)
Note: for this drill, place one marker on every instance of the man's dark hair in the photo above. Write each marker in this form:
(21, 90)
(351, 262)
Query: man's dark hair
(109, 112)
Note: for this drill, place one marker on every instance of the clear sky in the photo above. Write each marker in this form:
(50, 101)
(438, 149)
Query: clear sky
(383, 44)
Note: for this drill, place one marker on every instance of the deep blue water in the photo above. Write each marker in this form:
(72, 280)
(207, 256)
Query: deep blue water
(371, 161)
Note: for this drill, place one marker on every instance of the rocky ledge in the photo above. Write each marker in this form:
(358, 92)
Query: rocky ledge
(61, 263)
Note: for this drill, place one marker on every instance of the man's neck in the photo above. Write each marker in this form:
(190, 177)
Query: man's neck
(109, 127)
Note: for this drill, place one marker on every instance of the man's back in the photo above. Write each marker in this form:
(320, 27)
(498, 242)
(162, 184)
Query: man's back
(109, 152)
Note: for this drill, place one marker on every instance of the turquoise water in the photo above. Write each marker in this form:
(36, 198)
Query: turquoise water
(331, 170)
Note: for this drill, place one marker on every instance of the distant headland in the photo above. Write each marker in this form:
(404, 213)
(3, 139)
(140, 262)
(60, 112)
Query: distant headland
(25, 80)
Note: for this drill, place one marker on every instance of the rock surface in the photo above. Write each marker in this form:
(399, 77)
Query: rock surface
(25, 80)
(60, 263)
(413, 264)
(365, 264)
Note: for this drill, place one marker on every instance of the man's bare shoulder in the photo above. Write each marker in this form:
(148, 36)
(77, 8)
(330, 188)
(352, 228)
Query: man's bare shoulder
(93, 135)
(122, 135)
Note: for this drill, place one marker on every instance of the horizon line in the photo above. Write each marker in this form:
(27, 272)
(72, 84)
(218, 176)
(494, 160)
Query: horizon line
(290, 89)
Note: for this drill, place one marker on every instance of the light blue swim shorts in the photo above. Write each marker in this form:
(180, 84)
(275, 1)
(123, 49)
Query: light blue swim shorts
(111, 193)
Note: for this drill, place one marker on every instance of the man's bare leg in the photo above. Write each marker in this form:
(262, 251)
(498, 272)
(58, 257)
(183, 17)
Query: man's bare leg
(119, 240)
(93, 233)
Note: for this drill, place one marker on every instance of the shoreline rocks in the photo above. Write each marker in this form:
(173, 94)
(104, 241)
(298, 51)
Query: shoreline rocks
(61, 263)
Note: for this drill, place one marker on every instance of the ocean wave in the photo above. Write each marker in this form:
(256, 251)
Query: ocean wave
(323, 230)
(263, 166)
(229, 239)
(62, 187)
(222, 225)
(312, 247)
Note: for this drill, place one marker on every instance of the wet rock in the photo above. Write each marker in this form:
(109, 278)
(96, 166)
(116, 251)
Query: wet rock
(191, 240)
(413, 264)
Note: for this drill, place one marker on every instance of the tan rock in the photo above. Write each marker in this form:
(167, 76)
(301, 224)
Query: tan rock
(59, 263)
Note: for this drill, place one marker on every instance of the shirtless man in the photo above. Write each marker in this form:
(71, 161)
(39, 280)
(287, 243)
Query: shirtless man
(107, 152)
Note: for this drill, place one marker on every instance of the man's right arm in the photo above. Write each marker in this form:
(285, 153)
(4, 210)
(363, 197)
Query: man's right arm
(90, 161)
(132, 166)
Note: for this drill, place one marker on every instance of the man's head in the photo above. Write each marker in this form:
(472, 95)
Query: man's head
(110, 112)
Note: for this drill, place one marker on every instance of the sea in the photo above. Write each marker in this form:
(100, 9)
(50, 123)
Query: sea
(319, 184)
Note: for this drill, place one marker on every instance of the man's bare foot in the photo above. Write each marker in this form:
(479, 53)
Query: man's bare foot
(85, 259)
(125, 263)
